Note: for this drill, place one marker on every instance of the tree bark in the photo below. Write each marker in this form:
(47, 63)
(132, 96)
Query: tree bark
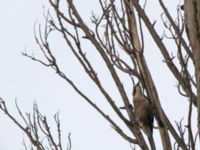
(192, 18)
(147, 77)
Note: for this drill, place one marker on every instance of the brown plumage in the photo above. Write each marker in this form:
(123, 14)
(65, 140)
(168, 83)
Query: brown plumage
(143, 114)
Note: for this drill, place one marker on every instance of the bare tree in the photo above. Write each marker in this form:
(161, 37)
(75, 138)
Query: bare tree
(118, 38)
(37, 129)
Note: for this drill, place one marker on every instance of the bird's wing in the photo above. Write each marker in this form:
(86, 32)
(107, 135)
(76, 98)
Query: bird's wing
(150, 116)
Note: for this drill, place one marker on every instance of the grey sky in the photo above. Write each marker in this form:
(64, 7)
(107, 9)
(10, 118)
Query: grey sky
(28, 81)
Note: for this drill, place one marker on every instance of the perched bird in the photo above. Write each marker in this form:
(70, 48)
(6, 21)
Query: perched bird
(143, 113)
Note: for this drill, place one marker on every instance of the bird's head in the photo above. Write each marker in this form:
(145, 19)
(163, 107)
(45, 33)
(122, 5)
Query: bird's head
(137, 89)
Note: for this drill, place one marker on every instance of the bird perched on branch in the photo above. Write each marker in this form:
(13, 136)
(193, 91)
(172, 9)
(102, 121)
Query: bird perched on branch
(143, 113)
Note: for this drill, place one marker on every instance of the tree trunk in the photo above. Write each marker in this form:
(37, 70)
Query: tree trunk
(148, 79)
(192, 17)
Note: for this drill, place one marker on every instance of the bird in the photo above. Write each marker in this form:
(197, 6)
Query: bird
(143, 113)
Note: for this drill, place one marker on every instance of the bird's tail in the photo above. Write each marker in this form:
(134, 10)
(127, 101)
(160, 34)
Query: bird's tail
(152, 143)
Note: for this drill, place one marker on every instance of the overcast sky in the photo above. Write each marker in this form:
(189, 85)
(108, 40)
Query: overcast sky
(28, 81)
